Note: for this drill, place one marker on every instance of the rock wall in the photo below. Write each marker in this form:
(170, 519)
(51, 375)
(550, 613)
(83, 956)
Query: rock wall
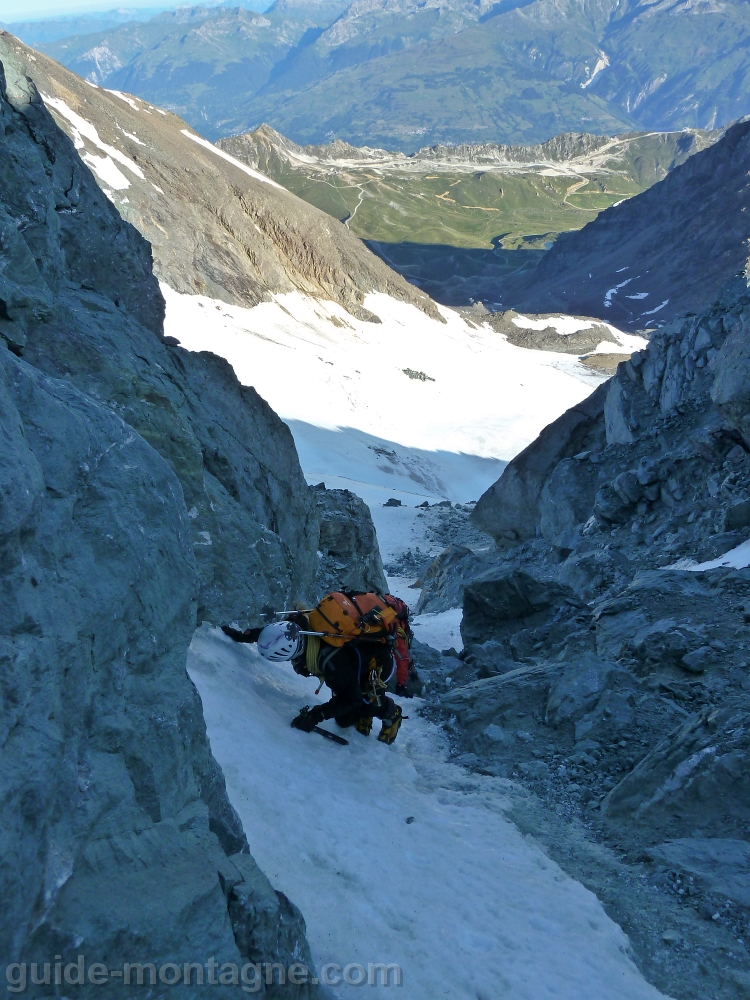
(654, 257)
(140, 488)
(90, 312)
(597, 663)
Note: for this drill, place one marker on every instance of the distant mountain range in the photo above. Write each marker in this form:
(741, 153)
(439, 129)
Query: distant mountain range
(407, 73)
(43, 30)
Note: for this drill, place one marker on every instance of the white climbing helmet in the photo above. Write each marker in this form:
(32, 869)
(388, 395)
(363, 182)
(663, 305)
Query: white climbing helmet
(280, 641)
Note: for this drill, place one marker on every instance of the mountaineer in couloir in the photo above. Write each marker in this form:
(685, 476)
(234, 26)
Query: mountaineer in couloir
(349, 642)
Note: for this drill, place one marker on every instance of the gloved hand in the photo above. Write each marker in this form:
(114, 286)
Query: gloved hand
(233, 633)
(249, 635)
(309, 718)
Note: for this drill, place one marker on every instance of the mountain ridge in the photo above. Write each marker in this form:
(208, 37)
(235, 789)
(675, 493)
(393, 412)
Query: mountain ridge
(668, 235)
(222, 229)
(511, 72)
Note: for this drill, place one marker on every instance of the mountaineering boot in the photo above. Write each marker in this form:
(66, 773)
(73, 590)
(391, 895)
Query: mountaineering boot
(364, 725)
(391, 726)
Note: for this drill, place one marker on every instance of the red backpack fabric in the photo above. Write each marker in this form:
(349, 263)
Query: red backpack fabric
(403, 638)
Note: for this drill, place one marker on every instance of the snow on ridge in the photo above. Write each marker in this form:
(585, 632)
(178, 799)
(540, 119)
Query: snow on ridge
(659, 308)
(231, 159)
(103, 166)
(564, 325)
(614, 291)
(124, 97)
(626, 343)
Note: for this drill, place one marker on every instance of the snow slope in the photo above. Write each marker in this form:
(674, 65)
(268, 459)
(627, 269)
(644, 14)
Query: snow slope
(358, 420)
(469, 908)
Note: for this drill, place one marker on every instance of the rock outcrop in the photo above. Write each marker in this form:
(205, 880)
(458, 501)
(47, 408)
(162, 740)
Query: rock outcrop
(140, 487)
(607, 643)
(348, 548)
(90, 312)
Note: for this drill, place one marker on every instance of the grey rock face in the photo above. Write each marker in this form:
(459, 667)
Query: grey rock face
(443, 582)
(490, 604)
(510, 510)
(578, 689)
(254, 526)
(350, 557)
(118, 839)
(638, 701)
(721, 866)
(697, 779)
(117, 819)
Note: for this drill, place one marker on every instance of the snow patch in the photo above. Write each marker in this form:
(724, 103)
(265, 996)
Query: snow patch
(440, 629)
(130, 135)
(567, 325)
(230, 159)
(83, 129)
(614, 291)
(601, 63)
(106, 171)
(736, 558)
(124, 97)
(564, 325)
(651, 312)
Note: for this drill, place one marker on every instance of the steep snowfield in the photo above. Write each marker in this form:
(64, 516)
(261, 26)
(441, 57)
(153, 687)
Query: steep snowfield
(469, 908)
(358, 419)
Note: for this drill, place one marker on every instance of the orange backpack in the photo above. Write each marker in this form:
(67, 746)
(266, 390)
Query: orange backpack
(343, 617)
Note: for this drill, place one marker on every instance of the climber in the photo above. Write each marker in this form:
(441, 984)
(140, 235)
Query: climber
(355, 668)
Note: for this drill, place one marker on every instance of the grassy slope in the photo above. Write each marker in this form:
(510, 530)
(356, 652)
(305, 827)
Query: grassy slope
(471, 206)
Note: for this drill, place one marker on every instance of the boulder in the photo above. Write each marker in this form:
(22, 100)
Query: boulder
(445, 578)
(566, 500)
(699, 660)
(510, 509)
(489, 605)
(577, 689)
(590, 573)
(696, 779)
(666, 642)
(515, 700)
(612, 715)
(349, 552)
(490, 658)
(730, 391)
